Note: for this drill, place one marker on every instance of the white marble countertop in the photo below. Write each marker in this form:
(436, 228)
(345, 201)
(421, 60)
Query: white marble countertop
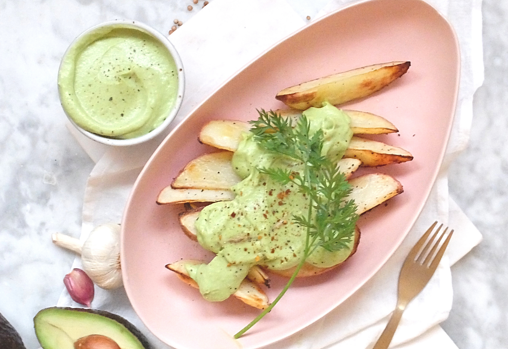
(44, 170)
(478, 182)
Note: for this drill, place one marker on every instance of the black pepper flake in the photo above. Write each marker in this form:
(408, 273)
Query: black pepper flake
(110, 99)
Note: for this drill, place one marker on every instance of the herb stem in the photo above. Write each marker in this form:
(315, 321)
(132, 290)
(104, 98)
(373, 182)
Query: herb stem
(330, 220)
(307, 252)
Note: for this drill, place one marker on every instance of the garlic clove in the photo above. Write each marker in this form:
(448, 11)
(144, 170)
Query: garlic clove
(80, 287)
(95, 341)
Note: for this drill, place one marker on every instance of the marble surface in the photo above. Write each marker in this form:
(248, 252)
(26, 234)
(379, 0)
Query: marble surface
(479, 183)
(44, 170)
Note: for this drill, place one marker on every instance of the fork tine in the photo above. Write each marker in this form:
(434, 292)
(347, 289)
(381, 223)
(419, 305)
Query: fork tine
(428, 244)
(418, 246)
(434, 244)
(441, 251)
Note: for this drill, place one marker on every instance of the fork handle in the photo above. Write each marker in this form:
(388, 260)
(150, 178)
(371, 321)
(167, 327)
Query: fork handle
(386, 337)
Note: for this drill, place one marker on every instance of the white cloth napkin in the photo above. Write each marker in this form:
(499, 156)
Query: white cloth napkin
(218, 34)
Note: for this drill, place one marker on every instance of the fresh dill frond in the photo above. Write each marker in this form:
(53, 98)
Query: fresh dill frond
(331, 218)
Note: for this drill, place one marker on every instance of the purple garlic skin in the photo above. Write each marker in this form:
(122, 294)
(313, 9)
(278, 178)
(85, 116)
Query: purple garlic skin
(80, 287)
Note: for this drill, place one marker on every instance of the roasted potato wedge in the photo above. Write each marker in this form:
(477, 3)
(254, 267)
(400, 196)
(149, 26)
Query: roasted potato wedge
(223, 134)
(169, 195)
(222, 176)
(208, 171)
(248, 292)
(251, 294)
(368, 123)
(227, 134)
(258, 275)
(187, 219)
(343, 87)
(361, 122)
(348, 166)
(373, 153)
(373, 189)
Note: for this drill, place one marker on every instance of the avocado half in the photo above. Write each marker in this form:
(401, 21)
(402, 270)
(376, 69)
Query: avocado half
(9, 337)
(60, 328)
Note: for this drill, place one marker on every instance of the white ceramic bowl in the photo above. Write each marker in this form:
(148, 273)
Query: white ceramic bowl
(180, 90)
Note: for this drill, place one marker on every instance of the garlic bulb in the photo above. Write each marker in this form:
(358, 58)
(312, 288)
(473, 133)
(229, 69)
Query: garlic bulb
(100, 254)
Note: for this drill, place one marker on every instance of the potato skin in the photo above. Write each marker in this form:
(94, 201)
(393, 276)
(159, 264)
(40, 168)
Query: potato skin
(373, 153)
(343, 87)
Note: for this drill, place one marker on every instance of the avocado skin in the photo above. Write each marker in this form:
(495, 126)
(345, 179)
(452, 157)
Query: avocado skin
(9, 337)
(129, 326)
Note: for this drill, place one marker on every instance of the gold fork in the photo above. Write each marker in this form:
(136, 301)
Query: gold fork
(418, 268)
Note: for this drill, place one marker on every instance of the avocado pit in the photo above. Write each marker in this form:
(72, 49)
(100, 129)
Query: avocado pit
(95, 341)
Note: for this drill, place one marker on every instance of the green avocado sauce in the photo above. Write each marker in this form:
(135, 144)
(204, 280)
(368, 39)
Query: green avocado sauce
(118, 81)
(256, 228)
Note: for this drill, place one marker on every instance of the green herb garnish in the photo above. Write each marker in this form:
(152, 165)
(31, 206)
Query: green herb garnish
(331, 218)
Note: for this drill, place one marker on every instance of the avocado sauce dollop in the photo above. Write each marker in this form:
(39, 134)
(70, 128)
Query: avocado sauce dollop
(256, 228)
(118, 81)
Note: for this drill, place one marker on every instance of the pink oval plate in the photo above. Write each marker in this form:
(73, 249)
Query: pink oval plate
(421, 104)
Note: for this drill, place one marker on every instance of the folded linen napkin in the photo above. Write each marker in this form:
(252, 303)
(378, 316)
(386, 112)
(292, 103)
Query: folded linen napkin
(228, 25)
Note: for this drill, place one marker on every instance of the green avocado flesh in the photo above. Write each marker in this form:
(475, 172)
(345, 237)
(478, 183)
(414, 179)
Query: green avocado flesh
(9, 337)
(59, 328)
